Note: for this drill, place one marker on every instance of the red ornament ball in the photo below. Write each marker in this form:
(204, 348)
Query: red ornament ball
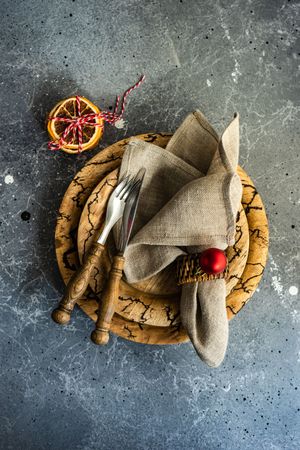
(213, 261)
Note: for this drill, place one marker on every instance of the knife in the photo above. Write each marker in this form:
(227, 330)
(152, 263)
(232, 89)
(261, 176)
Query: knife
(100, 335)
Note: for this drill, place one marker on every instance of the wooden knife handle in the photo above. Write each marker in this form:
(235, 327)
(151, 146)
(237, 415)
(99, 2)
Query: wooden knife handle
(100, 335)
(77, 284)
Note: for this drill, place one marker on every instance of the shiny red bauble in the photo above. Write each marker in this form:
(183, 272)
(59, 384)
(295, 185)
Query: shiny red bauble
(213, 261)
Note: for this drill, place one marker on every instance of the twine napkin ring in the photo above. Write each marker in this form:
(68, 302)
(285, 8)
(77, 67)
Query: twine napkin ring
(190, 271)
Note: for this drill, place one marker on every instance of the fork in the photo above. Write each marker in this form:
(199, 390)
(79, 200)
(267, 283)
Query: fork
(80, 280)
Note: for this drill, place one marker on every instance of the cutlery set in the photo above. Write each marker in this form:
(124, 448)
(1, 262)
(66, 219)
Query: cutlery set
(122, 204)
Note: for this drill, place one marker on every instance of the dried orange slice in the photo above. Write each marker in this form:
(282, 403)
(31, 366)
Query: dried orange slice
(68, 108)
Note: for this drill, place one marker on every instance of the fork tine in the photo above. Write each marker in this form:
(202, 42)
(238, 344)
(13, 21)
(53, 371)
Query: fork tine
(121, 185)
(126, 188)
(135, 184)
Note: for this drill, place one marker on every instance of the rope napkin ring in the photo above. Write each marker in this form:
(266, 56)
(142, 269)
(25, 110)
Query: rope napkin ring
(190, 268)
(76, 123)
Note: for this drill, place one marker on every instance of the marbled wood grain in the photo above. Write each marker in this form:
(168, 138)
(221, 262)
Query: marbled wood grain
(66, 244)
(258, 247)
(154, 301)
(138, 332)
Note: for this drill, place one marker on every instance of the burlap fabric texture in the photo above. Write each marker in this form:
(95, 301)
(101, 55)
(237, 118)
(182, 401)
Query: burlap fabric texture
(189, 202)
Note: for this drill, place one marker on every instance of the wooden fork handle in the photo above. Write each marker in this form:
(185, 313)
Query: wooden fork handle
(77, 284)
(106, 309)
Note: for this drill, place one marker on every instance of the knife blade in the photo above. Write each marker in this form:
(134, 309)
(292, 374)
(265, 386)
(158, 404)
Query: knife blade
(130, 212)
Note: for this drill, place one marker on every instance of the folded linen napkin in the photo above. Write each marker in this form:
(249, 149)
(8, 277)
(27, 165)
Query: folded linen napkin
(189, 201)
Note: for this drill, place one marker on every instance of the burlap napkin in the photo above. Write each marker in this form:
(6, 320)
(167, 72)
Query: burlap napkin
(189, 201)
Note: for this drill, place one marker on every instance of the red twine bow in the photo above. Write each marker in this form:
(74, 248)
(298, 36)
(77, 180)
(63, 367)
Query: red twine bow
(76, 123)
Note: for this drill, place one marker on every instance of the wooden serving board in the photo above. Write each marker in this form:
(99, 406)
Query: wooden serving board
(158, 321)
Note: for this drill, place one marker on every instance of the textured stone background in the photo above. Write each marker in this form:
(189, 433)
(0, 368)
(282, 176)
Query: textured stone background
(57, 390)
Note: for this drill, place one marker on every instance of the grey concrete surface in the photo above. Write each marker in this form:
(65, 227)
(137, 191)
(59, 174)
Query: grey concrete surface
(57, 390)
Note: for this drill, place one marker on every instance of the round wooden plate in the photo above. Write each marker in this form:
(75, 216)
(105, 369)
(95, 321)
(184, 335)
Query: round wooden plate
(154, 301)
(70, 211)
